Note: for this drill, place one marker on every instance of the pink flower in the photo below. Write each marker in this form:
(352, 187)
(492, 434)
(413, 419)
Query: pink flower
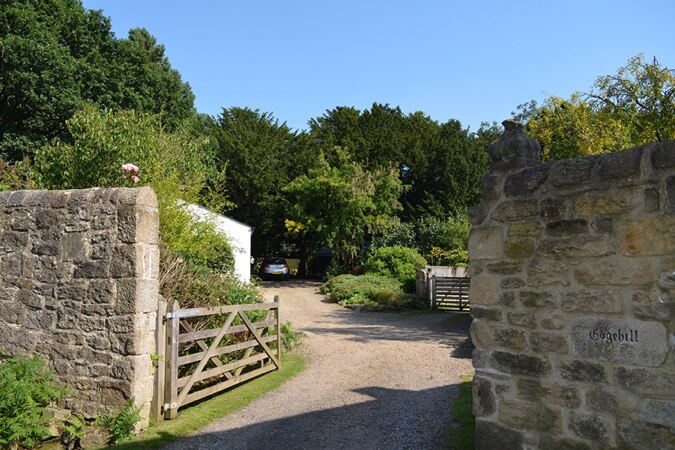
(130, 168)
(135, 179)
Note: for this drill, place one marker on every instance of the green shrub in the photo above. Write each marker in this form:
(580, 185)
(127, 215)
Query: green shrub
(26, 388)
(121, 425)
(401, 263)
(194, 285)
(290, 339)
(366, 290)
(453, 258)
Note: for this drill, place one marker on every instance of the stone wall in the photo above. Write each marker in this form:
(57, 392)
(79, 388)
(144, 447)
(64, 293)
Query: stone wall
(79, 286)
(573, 299)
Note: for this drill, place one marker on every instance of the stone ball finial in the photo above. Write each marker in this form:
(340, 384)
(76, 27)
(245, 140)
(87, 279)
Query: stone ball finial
(514, 149)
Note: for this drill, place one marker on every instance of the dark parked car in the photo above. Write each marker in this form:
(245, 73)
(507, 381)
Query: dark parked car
(274, 268)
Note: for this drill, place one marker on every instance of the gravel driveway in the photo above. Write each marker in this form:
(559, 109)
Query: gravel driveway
(373, 381)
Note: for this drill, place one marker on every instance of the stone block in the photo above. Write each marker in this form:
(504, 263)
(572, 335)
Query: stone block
(480, 358)
(530, 416)
(594, 427)
(527, 181)
(548, 343)
(567, 227)
(75, 247)
(147, 295)
(491, 436)
(553, 209)
(101, 292)
(657, 411)
(645, 381)
(603, 225)
(581, 245)
(147, 225)
(652, 200)
(486, 243)
(92, 269)
(547, 392)
(505, 267)
(67, 319)
(507, 299)
(483, 289)
(638, 435)
(9, 313)
(489, 314)
(650, 236)
(551, 320)
(478, 213)
(624, 341)
(512, 283)
(572, 172)
(585, 371)
(483, 397)
(615, 270)
(481, 334)
(547, 272)
(521, 364)
(621, 167)
(491, 187)
(123, 262)
(523, 229)
(516, 211)
(604, 203)
(606, 301)
(510, 338)
(670, 195)
(523, 319)
(662, 155)
(520, 249)
(548, 442)
(538, 299)
(611, 401)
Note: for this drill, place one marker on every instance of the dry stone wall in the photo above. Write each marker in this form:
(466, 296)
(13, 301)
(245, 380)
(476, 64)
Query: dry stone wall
(573, 299)
(79, 286)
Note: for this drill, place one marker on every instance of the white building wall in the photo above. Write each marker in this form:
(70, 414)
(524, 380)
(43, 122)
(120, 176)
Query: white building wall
(237, 233)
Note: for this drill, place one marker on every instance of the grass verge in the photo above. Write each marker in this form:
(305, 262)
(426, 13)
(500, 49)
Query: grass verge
(459, 433)
(193, 418)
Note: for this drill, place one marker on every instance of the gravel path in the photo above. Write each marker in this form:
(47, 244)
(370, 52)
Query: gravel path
(373, 381)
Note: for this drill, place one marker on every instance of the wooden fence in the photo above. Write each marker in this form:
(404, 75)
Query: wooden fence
(450, 293)
(211, 349)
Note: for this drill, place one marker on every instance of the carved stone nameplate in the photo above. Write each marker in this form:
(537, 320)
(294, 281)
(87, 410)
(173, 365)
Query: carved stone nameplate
(636, 342)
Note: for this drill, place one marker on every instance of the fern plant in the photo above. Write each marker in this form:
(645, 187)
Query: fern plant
(121, 425)
(26, 388)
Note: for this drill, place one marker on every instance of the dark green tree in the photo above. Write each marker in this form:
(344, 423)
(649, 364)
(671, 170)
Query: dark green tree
(55, 56)
(259, 157)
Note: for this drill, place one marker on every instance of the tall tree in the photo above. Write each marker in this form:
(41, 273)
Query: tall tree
(339, 205)
(55, 55)
(259, 156)
(634, 106)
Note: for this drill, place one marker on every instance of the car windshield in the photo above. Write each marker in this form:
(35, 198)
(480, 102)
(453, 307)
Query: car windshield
(275, 261)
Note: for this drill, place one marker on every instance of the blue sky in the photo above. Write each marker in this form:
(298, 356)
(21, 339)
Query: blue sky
(473, 61)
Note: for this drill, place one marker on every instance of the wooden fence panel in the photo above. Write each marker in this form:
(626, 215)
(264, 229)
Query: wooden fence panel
(450, 293)
(204, 357)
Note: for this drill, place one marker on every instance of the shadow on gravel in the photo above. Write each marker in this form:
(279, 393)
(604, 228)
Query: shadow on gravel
(385, 419)
(449, 329)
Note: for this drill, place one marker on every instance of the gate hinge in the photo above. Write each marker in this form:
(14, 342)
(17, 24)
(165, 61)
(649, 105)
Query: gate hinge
(168, 406)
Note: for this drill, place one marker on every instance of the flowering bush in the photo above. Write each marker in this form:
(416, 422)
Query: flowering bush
(131, 171)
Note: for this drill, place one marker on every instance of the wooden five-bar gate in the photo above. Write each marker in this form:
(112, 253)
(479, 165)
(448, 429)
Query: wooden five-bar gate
(208, 350)
(450, 293)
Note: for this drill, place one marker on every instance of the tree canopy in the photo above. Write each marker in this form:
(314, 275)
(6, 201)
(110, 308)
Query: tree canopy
(55, 56)
(634, 106)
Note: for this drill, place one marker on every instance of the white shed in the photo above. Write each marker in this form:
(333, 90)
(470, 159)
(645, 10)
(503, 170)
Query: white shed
(239, 235)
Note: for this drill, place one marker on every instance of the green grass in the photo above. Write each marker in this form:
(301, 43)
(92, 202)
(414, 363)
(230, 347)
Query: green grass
(459, 433)
(193, 418)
